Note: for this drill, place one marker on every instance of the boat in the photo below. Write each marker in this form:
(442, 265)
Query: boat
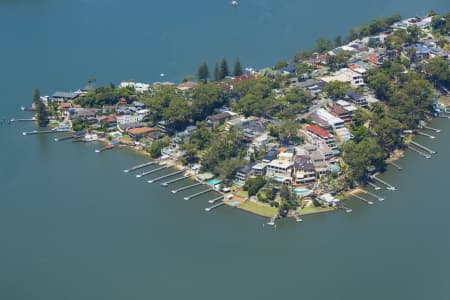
(90, 137)
(234, 3)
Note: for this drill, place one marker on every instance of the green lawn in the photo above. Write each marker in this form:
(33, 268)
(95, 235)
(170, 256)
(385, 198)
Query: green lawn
(314, 210)
(259, 209)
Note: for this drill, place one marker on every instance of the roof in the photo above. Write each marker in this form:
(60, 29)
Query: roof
(140, 130)
(352, 95)
(184, 86)
(318, 131)
(66, 95)
(219, 117)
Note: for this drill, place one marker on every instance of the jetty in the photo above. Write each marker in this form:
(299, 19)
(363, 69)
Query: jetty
(362, 199)
(186, 187)
(107, 147)
(388, 186)
(174, 180)
(64, 138)
(423, 147)
(426, 134)
(151, 171)
(44, 131)
(214, 206)
(212, 201)
(139, 166)
(297, 218)
(374, 186)
(373, 195)
(21, 120)
(432, 129)
(272, 220)
(198, 194)
(396, 165)
(421, 153)
(167, 175)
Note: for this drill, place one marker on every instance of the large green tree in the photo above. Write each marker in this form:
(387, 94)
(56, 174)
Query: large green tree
(237, 70)
(203, 73)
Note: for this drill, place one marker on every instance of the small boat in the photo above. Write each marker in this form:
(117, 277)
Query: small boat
(234, 3)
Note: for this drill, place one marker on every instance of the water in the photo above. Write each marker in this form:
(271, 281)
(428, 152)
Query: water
(74, 226)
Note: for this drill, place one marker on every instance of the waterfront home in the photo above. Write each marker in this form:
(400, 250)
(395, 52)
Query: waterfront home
(304, 171)
(139, 132)
(245, 172)
(343, 135)
(64, 106)
(220, 118)
(139, 87)
(64, 96)
(186, 86)
(318, 161)
(271, 155)
(279, 168)
(329, 200)
(423, 23)
(357, 99)
(82, 113)
(259, 169)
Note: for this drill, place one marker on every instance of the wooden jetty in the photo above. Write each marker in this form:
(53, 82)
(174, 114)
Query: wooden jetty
(212, 201)
(174, 180)
(198, 194)
(362, 199)
(139, 166)
(414, 149)
(423, 147)
(167, 175)
(186, 187)
(44, 131)
(107, 147)
(426, 134)
(389, 187)
(214, 206)
(151, 171)
(373, 195)
(374, 186)
(396, 165)
(432, 129)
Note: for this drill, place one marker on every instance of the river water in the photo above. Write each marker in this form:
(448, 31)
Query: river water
(74, 226)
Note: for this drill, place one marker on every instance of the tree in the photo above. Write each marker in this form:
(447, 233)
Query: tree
(253, 185)
(217, 75)
(338, 41)
(157, 146)
(36, 98)
(224, 71)
(303, 68)
(336, 89)
(322, 45)
(237, 70)
(42, 114)
(414, 33)
(187, 78)
(281, 64)
(438, 69)
(203, 73)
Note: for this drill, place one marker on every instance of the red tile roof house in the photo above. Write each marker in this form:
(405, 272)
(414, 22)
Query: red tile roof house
(140, 132)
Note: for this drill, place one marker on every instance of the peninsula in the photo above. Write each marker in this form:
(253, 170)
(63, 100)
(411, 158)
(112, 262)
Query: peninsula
(294, 139)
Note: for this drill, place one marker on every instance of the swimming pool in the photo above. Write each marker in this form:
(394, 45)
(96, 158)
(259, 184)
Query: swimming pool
(233, 203)
(213, 182)
(168, 151)
(302, 191)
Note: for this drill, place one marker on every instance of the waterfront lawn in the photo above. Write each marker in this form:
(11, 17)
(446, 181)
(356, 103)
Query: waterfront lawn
(259, 209)
(313, 210)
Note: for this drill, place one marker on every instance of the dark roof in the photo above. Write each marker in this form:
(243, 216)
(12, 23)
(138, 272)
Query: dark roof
(247, 169)
(352, 95)
(64, 95)
(219, 117)
(270, 155)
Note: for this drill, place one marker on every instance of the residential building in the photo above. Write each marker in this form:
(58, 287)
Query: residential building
(259, 169)
(329, 118)
(304, 171)
(217, 119)
(357, 99)
(278, 167)
(245, 172)
(346, 75)
(138, 133)
(127, 119)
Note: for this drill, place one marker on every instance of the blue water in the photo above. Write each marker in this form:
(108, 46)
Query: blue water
(301, 192)
(74, 226)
